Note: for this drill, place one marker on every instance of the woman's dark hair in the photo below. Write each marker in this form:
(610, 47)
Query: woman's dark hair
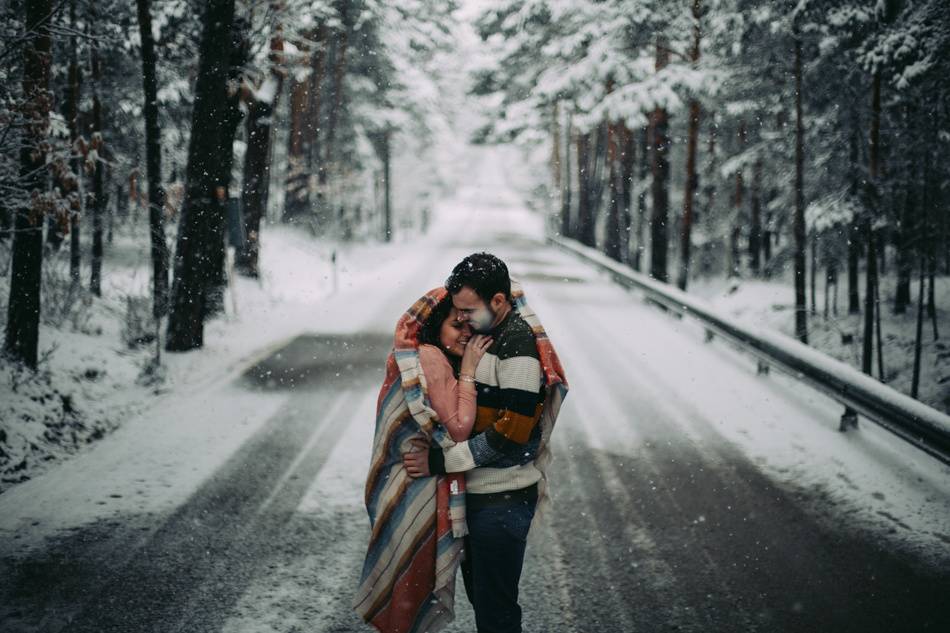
(482, 272)
(430, 330)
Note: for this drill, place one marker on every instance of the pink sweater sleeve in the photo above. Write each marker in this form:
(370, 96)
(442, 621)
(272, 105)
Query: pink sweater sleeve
(453, 401)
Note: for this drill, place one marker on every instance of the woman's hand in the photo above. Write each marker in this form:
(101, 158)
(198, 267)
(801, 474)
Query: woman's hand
(416, 462)
(476, 348)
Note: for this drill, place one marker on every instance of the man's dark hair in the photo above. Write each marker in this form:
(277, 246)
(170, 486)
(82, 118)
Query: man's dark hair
(482, 272)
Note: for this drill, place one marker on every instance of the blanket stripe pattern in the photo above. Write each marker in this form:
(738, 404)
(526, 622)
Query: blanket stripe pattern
(556, 388)
(408, 580)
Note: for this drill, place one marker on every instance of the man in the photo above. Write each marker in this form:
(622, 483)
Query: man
(501, 478)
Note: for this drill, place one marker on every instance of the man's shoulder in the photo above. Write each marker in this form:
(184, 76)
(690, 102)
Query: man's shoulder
(516, 339)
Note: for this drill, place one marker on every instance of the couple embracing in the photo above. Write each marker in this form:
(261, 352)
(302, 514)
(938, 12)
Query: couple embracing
(457, 475)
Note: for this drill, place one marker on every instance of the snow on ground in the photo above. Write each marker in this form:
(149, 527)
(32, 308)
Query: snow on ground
(771, 304)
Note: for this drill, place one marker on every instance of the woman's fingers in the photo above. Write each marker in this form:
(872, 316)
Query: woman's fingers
(480, 342)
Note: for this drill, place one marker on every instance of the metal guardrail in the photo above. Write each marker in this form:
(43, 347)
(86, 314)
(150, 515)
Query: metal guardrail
(924, 427)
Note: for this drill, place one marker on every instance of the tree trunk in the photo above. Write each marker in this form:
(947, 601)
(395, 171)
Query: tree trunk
(690, 186)
(77, 204)
(566, 224)
(153, 164)
(97, 144)
(854, 258)
(877, 324)
(303, 148)
(257, 158)
(660, 142)
(871, 281)
(297, 192)
(710, 177)
(628, 154)
(904, 243)
(801, 314)
(257, 165)
(23, 310)
(6, 222)
(316, 164)
(918, 340)
(230, 118)
(932, 238)
(827, 290)
(930, 199)
(612, 242)
(387, 188)
(735, 235)
(755, 227)
(55, 226)
(585, 214)
(692, 139)
(556, 184)
(813, 271)
(645, 154)
(854, 230)
(202, 209)
(882, 240)
(613, 246)
(330, 153)
(597, 177)
(869, 302)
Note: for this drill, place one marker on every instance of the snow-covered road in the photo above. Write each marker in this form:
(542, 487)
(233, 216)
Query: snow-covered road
(690, 493)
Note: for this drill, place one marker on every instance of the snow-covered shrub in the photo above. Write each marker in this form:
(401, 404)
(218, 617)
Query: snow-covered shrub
(139, 327)
(62, 300)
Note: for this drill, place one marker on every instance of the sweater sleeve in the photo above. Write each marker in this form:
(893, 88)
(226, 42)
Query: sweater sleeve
(453, 401)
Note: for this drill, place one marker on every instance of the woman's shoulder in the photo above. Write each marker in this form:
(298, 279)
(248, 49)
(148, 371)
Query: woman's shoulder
(434, 363)
(432, 354)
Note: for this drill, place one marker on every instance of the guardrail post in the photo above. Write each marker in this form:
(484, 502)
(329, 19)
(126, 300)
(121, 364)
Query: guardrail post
(763, 369)
(848, 419)
(709, 336)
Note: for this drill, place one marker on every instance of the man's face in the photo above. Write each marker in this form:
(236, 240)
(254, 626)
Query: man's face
(472, 309)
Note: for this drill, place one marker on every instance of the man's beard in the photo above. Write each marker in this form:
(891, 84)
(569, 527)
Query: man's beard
(483, 320)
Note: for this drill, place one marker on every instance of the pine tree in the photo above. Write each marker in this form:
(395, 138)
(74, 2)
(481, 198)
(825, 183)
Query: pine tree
(660, 170)
(153, 163)
(257, 159)
(203, 209)
(23, 313)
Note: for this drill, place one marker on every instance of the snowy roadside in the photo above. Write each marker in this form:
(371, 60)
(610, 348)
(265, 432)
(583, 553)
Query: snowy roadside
(866, 480)
(91, 382)
(771, 304)
(166, 440)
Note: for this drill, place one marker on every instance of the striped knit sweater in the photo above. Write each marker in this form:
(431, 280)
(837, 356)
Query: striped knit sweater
(500, 454)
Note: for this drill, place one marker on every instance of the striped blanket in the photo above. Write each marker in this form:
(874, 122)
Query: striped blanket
(407, 583)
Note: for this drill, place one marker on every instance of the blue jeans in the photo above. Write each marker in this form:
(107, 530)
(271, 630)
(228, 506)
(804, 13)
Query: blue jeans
(494, 553)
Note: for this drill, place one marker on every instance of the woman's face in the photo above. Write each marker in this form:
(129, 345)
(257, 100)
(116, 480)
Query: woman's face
(454, 334)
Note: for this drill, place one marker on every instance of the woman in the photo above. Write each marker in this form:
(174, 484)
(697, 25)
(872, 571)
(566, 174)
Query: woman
(450, 376)
(408, 578)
